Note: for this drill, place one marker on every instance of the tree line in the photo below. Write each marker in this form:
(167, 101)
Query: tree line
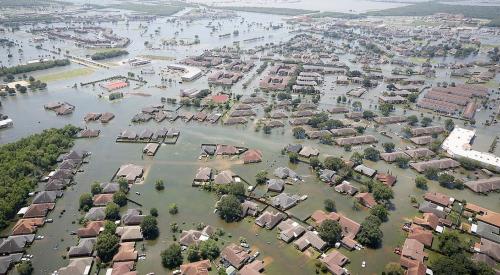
(26, 68)
(24, 161)
(108, 54)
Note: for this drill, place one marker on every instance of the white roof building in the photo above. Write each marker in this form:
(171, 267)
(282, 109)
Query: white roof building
(190, 73)
(458, 145)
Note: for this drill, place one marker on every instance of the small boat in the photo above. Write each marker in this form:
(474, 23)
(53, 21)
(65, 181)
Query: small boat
(363, 264)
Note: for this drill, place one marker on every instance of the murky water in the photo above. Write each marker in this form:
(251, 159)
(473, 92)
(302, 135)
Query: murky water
(177, 164)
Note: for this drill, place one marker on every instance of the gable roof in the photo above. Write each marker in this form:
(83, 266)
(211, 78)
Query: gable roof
(235, 255)
(269, 219)
(77, 266)
(85, 247)
(126, 252)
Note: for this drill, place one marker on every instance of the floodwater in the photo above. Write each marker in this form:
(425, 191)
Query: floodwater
(177, 164)
(352, 6)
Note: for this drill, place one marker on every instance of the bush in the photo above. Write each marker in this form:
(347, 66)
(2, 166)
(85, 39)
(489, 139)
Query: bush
(421, 182)
(371, 154)
(299, 132)
(329, 205)
(293, 157)
(261, 177)
(159, 185)
(173, 209)
(24, 268)
(431, 173)
(153, 212)
(96, 188)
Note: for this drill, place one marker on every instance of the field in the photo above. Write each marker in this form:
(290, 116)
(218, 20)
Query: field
(65, 75)
(277, 11)
(160, 10)
(430, 8)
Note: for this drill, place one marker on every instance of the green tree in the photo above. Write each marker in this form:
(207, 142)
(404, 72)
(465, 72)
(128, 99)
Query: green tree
(24, 268)
(193, 254)
(446, 180)
(237, 189)
(412, 97)
(330, 231)
(357, 158)
(209, 249)
(468, 164)
(450, 243)
(449, 125)
(172, 256)
(426, 121)
(421, 182)
(173, 209)
(95, 188)
(299, 132)
(402, 162)
(314, 162)
(431, 173)
(120, 198)
(86, 201)
(112, 211)
(293, 157)
(122, 182)
(388, 147)
(368, 114)
(153, 212)
(109, 227)
(371, 154)
(412, 120)
(229, 208)
(261, 177)
(159, 185)
(386, 108)
(106, 246)
(380, 211)
(149, 228)
(360, 129)
(435, 145)
(329, 205)
(333, 163)
(382, 192)
(370, 233)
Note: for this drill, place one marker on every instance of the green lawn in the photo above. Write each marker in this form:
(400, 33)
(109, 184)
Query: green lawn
(66, 74)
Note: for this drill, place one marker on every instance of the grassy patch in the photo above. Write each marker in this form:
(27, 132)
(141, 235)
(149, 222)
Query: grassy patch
(430, 8)
(336, 15)
(277, 11)
(153, 9)
(65, 75)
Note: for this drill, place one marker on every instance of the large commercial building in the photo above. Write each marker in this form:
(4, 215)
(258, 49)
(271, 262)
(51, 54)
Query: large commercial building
(458, 145)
